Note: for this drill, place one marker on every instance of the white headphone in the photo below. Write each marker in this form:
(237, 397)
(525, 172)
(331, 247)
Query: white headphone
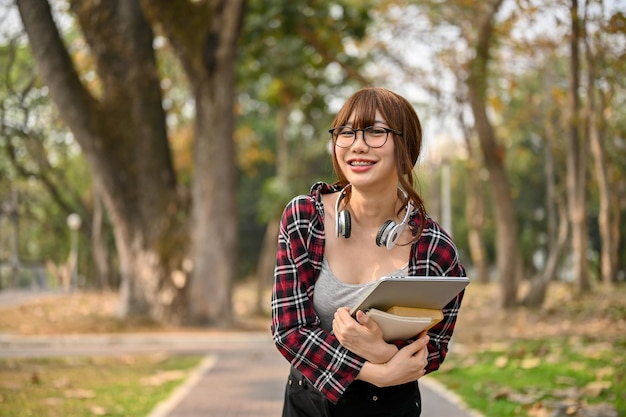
(388, 233)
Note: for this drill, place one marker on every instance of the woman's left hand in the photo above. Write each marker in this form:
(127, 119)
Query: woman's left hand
(362, 336)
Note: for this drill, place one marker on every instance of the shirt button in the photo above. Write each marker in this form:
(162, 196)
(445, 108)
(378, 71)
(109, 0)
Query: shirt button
(375, 398)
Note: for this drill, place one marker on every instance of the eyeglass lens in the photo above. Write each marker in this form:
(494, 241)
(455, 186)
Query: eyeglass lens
(374, 136)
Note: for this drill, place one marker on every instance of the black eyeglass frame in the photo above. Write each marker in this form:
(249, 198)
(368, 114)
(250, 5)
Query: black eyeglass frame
(354, 132)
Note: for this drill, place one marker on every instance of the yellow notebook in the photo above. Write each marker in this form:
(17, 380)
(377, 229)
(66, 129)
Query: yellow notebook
(401, 323)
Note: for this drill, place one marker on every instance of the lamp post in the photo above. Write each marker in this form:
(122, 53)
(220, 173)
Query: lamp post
(446, 199)
(441, 153)
(73, 222)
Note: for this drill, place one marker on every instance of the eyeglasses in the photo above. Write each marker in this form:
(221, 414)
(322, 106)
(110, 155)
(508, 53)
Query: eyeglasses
(373, 136)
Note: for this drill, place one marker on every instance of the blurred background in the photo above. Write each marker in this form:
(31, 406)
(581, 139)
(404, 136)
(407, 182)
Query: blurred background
(149, 147)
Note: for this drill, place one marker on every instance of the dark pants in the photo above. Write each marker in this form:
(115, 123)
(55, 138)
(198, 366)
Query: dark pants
(360, 399)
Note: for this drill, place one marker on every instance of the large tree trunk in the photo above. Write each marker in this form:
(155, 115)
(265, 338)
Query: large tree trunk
(98, 248)
(204, 36)
(507, 247)
(607, 264)
(577, 164)
(123, 137)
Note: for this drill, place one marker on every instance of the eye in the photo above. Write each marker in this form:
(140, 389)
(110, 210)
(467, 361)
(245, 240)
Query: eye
(345, 131)
(376, 131)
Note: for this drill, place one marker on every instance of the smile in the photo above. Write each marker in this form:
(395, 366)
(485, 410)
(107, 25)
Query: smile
(361, 163)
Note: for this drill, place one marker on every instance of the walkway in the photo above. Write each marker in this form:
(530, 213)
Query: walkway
(242, 373)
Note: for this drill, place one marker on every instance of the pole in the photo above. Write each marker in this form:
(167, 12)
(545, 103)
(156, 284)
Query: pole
(73, 222)
(446, 205)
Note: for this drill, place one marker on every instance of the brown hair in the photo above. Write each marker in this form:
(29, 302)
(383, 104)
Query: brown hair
(400, 115)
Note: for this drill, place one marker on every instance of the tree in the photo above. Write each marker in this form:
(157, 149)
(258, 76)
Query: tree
(600, 65)
(41, 165)
(119, 123)
(508, 253)
(205, 36)
(577, 161)
(293, 56)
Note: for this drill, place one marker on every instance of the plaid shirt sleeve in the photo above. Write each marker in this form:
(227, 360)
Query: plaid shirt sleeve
(436, 254)
(295, 327)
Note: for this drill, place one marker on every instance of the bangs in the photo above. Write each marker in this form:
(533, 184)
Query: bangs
(362, 107)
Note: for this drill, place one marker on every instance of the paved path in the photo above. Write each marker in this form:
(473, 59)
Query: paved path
(242, 373)
(249, 381)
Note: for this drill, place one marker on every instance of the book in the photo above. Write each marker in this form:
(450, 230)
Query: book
(401, 323)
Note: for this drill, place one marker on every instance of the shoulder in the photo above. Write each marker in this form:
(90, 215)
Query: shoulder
(437, 247)
(308, 207)
(436, 235)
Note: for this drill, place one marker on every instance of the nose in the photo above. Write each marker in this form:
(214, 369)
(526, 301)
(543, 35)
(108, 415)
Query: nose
(362, 142)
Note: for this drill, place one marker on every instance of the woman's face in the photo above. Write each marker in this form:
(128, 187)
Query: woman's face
(365, 166)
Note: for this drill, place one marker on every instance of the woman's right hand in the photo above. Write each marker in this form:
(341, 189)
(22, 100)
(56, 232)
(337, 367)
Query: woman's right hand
(362, 336)
(407, 365)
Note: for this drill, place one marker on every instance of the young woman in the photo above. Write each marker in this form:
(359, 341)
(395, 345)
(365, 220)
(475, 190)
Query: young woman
(334, 244)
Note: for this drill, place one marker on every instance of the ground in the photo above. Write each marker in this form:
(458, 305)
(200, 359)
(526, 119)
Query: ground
(598, 318)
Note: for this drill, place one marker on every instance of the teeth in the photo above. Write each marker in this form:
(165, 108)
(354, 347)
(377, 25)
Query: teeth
(360, 163)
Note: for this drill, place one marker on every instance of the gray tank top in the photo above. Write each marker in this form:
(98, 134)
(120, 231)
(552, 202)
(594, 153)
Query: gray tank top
(330, 293)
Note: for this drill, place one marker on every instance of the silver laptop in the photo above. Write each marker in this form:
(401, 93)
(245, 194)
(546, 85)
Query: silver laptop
(412, 291)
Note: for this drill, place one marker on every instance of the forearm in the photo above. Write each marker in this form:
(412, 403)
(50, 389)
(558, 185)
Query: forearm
(374, 374)
(380, 355)
(407, 365)
(388, 374)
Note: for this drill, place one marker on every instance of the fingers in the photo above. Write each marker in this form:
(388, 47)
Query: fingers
(361, 317)
(416, 353)
(418, 344)
(366, 321)
(344, 325)
(342, 315)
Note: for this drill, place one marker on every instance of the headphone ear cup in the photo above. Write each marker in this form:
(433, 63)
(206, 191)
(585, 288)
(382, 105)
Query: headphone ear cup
(393, 235)
(383, 233)
(344, 224)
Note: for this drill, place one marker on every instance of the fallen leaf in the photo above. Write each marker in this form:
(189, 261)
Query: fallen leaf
(53, 401)
(604, 373)
(501, 361)
(501, 394)
(595, 388)
(61, 383)
(599, 410)
(524, 399)
(163, 377)
(538, 410)
(79, 393)
(565, 393)
(530, 363)
(97, 410)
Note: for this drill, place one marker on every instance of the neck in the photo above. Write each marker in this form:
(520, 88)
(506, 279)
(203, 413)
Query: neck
(373, 209)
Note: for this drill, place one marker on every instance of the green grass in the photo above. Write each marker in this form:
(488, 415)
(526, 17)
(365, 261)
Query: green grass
(528, 377)
(128, 386)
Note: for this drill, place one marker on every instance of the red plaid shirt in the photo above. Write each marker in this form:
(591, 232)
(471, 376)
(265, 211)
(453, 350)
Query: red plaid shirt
(296, 328)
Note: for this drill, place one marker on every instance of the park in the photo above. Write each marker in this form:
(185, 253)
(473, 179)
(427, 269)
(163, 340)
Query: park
(147, 150)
